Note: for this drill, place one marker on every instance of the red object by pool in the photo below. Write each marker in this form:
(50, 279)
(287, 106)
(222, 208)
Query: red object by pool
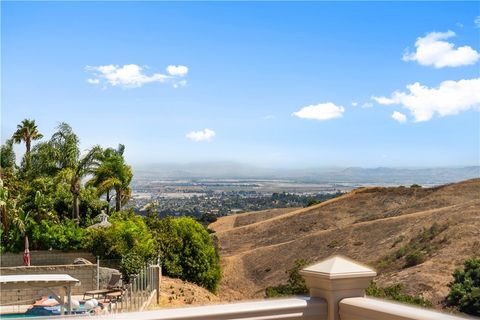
(26, 254)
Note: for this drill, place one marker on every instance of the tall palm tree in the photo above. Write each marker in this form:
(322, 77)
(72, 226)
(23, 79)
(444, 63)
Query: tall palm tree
(114, 174)
(65, 143)
(102, 175)
(82, 168)
(66, 146)
(27, 131)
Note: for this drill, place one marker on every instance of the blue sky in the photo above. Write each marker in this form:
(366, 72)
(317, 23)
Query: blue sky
(246, 71)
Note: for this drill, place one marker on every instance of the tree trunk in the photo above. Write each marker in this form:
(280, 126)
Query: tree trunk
(76, 208)
(28, 144)
(118, 199)
(108, 202)
(75, 190)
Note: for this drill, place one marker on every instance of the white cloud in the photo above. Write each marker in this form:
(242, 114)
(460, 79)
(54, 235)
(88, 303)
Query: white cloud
(93, 81)
(268, 117)
(363, 105)
(383, 100)
(132, 76)
(202, 135)
(322, 111)
(477, 21)
(449, 98)
(431, 50)
(180, 71)
(398, 116)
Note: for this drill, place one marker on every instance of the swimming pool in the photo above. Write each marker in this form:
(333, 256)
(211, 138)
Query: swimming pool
(39, 311)
(16, 316)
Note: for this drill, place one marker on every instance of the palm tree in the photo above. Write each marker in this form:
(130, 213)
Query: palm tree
(82, 168)
(65, 143)
(102, 174)
(113, 173)
(21, 220)
(122, 186)
(26, 132)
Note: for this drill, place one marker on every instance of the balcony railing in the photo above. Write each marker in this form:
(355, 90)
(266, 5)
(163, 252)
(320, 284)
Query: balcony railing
(337, 292)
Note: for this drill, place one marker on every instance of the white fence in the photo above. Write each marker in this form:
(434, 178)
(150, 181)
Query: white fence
(142, 290)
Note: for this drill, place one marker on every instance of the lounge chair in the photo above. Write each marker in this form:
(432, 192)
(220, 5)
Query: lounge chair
(112, 286)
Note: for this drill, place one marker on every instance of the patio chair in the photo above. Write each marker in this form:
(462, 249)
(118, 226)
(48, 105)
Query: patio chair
(112, 286)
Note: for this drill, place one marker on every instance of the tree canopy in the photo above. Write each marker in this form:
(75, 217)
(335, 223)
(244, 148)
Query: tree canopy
(49, 188)
(186, 250)
(53, 196)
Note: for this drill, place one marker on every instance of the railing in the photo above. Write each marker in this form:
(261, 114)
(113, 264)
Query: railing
(142, 290)
(285, 309)
(337, 292)
(366, 308)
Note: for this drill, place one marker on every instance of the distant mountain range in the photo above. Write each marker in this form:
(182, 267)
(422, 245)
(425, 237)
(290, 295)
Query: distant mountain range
(381, 175)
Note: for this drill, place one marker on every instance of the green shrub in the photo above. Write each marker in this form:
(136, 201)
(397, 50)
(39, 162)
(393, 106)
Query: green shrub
(64, 235)
(186, 250)
(130, 265)
(295, 284)
(415, 251)
(313, 202)
(128, 235)
(394, 292)
(414, 258)
(465, 288)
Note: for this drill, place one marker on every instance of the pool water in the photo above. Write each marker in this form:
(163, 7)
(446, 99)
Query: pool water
(16, 316)
(41, 312)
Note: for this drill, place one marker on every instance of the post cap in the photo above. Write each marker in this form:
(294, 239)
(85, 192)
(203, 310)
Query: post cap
(338, 267)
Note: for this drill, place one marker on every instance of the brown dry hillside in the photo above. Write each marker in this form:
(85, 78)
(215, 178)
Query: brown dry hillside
(367, 224)
(239, 220)
(175, 292)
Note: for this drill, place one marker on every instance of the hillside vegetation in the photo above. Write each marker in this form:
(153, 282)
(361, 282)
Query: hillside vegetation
(413, 236)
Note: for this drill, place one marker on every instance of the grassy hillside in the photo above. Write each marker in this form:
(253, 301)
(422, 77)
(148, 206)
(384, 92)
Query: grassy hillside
(383, 227)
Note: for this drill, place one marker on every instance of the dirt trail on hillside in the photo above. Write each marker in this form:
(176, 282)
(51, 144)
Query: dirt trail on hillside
(366, 224)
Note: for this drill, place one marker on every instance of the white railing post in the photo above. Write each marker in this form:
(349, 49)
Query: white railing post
(337, 278)
(156, 280)
(98, 272)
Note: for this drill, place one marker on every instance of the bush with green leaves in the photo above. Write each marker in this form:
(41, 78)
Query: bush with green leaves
(414, 258)
(64, 235)
(128, 235)
(416, 251)
(394, 292)
(465, 288)
(131, 264)
(186, 250)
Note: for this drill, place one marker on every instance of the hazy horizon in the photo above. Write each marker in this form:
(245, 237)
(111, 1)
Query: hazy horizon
(146, 166)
